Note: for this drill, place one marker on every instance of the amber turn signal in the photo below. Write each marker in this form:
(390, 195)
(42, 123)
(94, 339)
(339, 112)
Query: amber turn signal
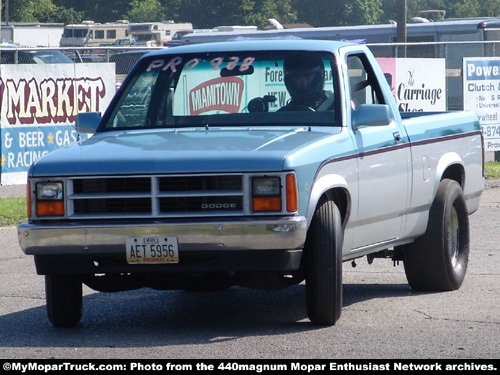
(50, 208)
(267, 204)
(28, 199)
(292, 204)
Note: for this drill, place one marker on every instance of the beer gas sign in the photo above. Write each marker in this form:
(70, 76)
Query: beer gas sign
(39, 104)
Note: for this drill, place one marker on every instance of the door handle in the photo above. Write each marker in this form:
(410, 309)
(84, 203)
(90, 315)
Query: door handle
(397, 137)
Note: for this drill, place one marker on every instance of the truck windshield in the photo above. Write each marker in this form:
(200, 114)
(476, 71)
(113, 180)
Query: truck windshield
(254, 88)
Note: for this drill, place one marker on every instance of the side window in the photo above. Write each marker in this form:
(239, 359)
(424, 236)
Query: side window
(7, 58)
(132, 111)
(364, 88)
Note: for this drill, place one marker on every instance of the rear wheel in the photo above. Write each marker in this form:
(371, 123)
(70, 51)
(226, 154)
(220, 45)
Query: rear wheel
(438, 260)
(323, 265)
(64, 300)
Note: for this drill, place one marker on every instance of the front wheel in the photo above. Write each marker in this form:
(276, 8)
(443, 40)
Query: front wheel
(64, 298)
(438, 260)
(323, 265)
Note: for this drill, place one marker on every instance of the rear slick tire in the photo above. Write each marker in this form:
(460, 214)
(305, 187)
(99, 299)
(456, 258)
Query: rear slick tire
(323, 265)
(438, 260)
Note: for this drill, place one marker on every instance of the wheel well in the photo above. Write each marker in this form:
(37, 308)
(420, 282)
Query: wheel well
(454, 172)
(342, 200)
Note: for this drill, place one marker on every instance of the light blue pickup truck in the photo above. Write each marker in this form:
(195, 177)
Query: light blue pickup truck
(260, 164)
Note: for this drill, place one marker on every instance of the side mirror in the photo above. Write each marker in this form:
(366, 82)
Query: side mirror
(87, 122)
(371, 115)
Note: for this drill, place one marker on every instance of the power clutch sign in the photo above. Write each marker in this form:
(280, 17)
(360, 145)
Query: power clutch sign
(481, 79)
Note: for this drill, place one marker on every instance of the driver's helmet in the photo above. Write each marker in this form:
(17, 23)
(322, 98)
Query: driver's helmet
(304, 76)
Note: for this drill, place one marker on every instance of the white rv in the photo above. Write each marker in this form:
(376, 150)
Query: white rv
(91, 34)
(156, 34)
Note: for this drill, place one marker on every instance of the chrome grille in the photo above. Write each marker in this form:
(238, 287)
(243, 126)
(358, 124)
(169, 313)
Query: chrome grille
(155, 196)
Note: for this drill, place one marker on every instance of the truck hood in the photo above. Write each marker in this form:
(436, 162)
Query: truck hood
(193, 150)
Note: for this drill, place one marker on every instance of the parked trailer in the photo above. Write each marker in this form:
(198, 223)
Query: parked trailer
(91, 34)
(32, 34)
(439, 31)
(156, 34)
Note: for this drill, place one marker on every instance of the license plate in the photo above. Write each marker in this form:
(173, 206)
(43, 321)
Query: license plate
(157, 249)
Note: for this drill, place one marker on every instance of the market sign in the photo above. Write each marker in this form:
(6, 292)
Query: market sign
(38, 107)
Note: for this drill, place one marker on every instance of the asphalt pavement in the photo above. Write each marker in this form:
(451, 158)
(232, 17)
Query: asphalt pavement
(12, 191)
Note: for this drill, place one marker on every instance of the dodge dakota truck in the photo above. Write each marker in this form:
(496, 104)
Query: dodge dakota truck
(258, 164)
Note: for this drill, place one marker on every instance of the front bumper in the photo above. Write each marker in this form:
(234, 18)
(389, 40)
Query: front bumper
(235, 240)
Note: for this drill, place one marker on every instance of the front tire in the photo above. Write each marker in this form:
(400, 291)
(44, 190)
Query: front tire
(323, 265)
(64, 298)
(438, 260)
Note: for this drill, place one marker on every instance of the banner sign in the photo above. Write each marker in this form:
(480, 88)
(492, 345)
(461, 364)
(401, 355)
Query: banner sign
(418, 85)
(481, 80)
(38, 107)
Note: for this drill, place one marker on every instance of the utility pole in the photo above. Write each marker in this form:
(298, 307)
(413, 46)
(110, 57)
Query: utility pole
(401, 20)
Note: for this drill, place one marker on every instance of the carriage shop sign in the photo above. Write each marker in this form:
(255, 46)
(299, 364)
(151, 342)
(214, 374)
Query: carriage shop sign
(481, 77)
(417, 84)
(39, 104)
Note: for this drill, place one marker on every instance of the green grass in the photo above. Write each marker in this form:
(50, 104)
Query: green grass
(492, 169)
(13, 210)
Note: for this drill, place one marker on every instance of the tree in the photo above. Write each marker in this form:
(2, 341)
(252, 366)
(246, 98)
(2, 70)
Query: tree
(259, 12)
(364, 12)
(489, 8)
(189, 11)
(32, 11)
(415, 6)
(211, 13)
(230, 12)
(316, 13)
(97, 10)
(146, 11)
(339, 12)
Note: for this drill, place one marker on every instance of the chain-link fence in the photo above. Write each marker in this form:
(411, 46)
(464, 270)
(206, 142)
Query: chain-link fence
(125, 58)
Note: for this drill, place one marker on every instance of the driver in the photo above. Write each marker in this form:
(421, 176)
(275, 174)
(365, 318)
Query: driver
(304, 76)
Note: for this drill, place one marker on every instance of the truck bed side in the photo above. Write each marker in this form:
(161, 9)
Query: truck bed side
(429, 135)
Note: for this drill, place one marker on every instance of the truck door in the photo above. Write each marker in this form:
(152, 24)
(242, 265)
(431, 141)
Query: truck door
(383, 164)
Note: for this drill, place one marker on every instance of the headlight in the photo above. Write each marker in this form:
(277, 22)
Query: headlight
(266, 192)
(266, 186)
(49, 198)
